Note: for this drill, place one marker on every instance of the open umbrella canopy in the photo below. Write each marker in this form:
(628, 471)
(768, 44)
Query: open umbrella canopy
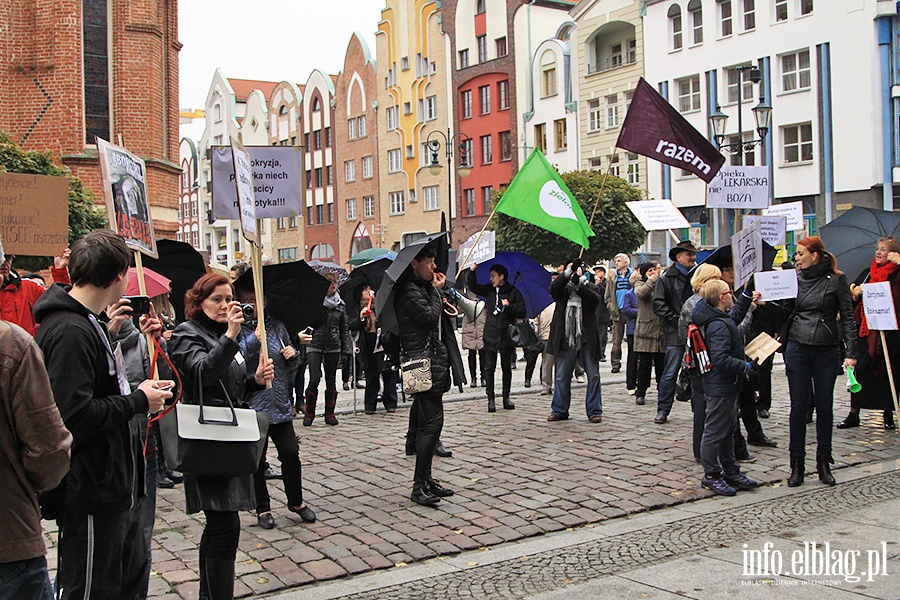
(369, 255)
(323, 266)
(526, 274)
(156, 284)
(384, 297)
(370, 273)
(182, 265)
(721, 256)
(294, 293)
(851, 238)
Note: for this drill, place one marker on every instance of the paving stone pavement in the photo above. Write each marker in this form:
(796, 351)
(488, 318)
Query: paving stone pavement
(515, 476)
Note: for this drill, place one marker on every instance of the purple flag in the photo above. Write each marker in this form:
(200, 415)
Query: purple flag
(653, 128)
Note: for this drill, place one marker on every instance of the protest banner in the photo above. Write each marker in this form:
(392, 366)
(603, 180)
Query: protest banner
(792, 210)
(34, 214)
(658, 215)
(245, 191)
(478, 253)
(125, 187)
(739, 187)
(277, 182)
(746, 252)
(772, 227)
(776, 285)
(878, 305)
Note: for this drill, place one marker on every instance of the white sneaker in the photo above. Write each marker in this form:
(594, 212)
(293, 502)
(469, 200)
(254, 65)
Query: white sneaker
(579, 378)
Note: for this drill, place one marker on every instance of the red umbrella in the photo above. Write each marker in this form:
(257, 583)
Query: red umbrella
(156, 283)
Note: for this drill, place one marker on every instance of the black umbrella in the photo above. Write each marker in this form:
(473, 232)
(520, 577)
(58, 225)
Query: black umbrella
(370, 273)
(851, 238)
(721, 256)
(294, 293)
(384, 299)
(182, 265)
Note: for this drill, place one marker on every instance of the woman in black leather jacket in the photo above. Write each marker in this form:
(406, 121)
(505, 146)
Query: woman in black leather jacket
(206, 352)
(330, 341)
(813, 352)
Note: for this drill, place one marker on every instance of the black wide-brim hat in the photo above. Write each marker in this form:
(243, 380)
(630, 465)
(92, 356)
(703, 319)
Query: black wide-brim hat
(682, 247)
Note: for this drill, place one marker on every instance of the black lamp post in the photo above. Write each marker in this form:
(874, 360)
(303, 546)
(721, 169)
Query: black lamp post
(762, 112)
(460, 140)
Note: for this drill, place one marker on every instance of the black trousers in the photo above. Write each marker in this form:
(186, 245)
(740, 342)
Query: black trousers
(764, 384)
(426, 421)
(317, 360)
(373, 377)
(507, 356)
(285, 439)
(747, 409)
(531, 356)
(476, 356)
(219, 542)
(630, 364)
(645, 362)
(604, 338)
(101, 556)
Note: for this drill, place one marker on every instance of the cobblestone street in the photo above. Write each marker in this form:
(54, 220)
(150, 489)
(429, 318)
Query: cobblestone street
(515, 476)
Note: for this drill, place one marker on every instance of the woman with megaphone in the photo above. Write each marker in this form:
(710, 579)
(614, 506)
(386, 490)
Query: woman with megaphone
(871, 372)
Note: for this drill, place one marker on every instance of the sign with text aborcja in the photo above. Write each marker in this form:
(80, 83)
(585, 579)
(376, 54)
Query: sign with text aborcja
(277, 182)
(739, 187)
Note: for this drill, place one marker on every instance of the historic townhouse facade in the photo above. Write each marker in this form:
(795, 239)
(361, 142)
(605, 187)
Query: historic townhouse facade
(71, 70)
(192, 219)
(284, 128)
(412, 110)
(356, 151)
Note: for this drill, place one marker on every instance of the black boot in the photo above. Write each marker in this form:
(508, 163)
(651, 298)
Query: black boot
(852, 420)
(823, 466)
(220, 578)
(441, 451)
(507, 405)
(798, 470)
(422, 495)
(889, 420)
(330, 404)
(309, 407)
(204, 586)
(492, 407)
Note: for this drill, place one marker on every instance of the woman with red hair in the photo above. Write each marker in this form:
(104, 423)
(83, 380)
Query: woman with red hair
(814, 342)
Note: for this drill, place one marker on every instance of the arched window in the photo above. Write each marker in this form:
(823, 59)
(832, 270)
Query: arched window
(317, 104)
(322, 252)
(675, 26)
(361, 240)
(549, 85)
(695, 11)
(283, 110)
(217, 112)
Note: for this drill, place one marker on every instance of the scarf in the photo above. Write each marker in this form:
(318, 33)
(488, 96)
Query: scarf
(876, 275)
(333, 301)
(573, 321)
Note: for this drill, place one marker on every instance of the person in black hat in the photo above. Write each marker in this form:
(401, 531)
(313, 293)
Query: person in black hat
(669, 296)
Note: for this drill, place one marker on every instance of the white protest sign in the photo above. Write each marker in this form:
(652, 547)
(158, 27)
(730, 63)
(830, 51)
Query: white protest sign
(792, 210)
(277, 182)
(776, 285)
(773, 228)
(243, 183)
(658, 215)
(746, 253)
(739, 187)
(878, 303)
(483, 251)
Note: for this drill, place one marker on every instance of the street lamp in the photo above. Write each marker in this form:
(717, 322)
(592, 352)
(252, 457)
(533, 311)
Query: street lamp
(461, 141)
(762, 112)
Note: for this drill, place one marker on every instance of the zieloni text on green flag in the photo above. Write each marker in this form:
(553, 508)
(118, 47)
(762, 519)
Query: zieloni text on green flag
(537, 195)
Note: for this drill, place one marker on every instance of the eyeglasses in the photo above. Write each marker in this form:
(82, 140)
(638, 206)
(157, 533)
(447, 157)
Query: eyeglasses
(726, 293)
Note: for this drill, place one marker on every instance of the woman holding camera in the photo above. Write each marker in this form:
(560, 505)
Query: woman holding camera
(330, 341)
(206, 352)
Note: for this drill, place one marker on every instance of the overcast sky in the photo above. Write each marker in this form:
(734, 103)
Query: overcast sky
(271, 40)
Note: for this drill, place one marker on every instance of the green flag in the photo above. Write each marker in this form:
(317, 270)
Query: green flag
(538, 196)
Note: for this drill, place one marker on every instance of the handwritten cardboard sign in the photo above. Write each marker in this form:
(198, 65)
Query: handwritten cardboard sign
(878, 302)
(739, 187)
(127, 203)
(658, 215)
(34, 214)
(484, 251)
(776, 285)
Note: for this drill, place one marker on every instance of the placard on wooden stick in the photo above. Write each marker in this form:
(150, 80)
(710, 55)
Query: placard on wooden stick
(34, 214)
(127, 202)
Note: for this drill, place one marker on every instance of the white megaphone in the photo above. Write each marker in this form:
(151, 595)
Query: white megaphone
(469, 308)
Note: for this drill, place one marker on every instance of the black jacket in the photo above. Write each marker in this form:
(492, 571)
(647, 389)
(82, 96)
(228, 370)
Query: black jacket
(331, 334)
(821, 296)
(419, 308)
(603, 315)
(107, 466)
(669, 295)
(725, 345)
(496, 326)
(560, 290)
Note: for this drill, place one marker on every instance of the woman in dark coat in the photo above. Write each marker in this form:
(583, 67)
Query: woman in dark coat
(361, 317)
(330, 341)
(871, 371)
(503, 304)
(812, 356)
(206, 352)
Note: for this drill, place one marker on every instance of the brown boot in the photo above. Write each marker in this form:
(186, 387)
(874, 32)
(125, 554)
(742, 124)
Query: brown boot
(309, 407)
(330, 403)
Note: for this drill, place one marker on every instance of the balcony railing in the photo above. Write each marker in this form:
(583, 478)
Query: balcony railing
(611, 63)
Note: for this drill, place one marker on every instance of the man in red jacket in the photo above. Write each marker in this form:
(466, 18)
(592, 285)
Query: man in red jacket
(17, 295)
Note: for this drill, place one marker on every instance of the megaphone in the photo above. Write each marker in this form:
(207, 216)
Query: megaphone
(852, 384)
(469, 308)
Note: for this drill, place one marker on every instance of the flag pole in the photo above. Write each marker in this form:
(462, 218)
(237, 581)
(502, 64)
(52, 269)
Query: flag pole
(475, 245)
(599, 195)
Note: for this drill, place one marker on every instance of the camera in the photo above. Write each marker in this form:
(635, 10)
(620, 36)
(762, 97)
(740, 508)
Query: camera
(249, 310)
(577, 264)
(140, 305)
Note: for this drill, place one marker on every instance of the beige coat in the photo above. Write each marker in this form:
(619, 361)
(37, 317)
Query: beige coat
(473, 332)
(543, 320)
(648, 330)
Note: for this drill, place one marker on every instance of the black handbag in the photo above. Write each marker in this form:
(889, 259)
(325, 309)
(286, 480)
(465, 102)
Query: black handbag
(213, 441)
(523, 334)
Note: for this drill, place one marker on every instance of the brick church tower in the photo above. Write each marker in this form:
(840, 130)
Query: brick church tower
(74, 69)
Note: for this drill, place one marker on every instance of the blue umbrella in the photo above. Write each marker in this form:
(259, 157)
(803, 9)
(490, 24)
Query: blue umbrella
(526, 274)
(369, 255)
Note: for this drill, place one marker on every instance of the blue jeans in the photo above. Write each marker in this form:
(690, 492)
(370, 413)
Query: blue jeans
(717, 446)
(565, 366)
(666, 388)
(806, 366)
(25, 579)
